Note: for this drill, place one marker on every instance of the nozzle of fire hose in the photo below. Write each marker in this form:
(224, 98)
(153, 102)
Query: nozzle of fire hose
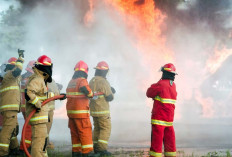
(63, 97)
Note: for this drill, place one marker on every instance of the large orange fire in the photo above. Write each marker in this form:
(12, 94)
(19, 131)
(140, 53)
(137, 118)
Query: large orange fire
(145, 24)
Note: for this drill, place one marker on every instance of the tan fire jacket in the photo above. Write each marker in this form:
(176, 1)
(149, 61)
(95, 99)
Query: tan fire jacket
(37, 92)
(10, 90)
(52, 91)
(98, 105)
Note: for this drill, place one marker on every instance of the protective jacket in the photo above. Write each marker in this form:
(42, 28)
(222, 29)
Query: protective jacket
(164, 95)
(98, 105)
(52, 91)
(10, 88)
(78, 107)
(37, 93)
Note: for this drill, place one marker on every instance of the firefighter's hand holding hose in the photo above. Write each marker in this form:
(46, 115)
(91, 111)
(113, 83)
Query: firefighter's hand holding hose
(63, 97)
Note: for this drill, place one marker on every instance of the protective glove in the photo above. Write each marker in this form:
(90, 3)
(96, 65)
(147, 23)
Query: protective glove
(63, 97)
(113, 90)
(38, 109)
(21, 53)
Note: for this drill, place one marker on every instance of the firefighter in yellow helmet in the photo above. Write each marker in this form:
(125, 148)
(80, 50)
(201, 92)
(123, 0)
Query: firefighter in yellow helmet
(99, 109)
(9, 105)
(35, 94)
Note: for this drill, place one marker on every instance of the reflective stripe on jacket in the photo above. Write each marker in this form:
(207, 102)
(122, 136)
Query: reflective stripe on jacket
(10, 90)
(78, 107)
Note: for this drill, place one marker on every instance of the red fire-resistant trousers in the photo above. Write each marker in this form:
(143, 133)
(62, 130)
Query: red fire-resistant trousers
(28, 135)
(81, 134)
(159, 135)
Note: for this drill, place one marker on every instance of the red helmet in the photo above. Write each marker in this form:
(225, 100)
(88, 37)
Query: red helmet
(44, 60)
(12, 61)
(102, 66)
(81, 66)
(169, 67)
(30, 65)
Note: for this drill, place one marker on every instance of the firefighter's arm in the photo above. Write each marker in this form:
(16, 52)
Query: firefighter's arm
(33, 87)
(19, 66)
(153, 91)
(109, 96)
(84, 88)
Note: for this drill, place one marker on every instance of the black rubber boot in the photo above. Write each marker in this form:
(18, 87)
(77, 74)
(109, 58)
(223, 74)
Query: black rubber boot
(76, 154)
(91, 154)
(104, 153)
(14, 152)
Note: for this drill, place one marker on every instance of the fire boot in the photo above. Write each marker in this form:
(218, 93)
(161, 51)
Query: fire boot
(104, 153)
(22, 153)
(91, 154)
(76, 154)
(14, 151)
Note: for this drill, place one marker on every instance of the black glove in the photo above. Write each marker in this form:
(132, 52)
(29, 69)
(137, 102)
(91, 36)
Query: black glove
(38, 109)
(21, 53)
(113, 90)
(63, 95)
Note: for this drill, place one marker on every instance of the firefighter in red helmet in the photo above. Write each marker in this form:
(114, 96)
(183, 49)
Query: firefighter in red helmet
(9, 105)
(100, 110)
(78, 112)
(164, 94)
(35, 94)
(24, 81)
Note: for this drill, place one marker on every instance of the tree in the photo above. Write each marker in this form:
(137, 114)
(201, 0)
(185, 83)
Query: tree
(11, 31)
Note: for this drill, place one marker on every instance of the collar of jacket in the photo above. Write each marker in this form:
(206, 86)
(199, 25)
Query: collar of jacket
(38, 72)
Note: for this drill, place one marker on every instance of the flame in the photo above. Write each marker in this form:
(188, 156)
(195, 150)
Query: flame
(215, 61)
(88, 19)
(145, 22)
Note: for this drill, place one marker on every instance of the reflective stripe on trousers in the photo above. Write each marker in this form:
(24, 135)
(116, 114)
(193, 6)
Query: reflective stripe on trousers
(10, 106)
(82, 146)
(160, 122)
(77, 111)
(38, 118)
(100, 112)
(170, 153)
(4, 145)
(156, 154)
(28, 141)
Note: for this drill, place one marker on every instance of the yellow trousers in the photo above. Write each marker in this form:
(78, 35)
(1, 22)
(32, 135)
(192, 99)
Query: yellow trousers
(101, 133)
(8, 135)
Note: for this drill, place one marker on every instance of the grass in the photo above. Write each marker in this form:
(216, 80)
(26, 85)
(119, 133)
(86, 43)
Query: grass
(62, 151)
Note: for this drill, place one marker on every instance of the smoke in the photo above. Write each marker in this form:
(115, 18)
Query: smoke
(58, 30)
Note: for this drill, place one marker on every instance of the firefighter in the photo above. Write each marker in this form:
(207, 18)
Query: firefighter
(53, 90)
(35, 94)
(2, 68)
(99, 109)
(164, 94)
(78, 112)
(9, 105)
(24, 81)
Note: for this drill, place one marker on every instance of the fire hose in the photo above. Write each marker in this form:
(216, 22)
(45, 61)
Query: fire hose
(33, 112)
